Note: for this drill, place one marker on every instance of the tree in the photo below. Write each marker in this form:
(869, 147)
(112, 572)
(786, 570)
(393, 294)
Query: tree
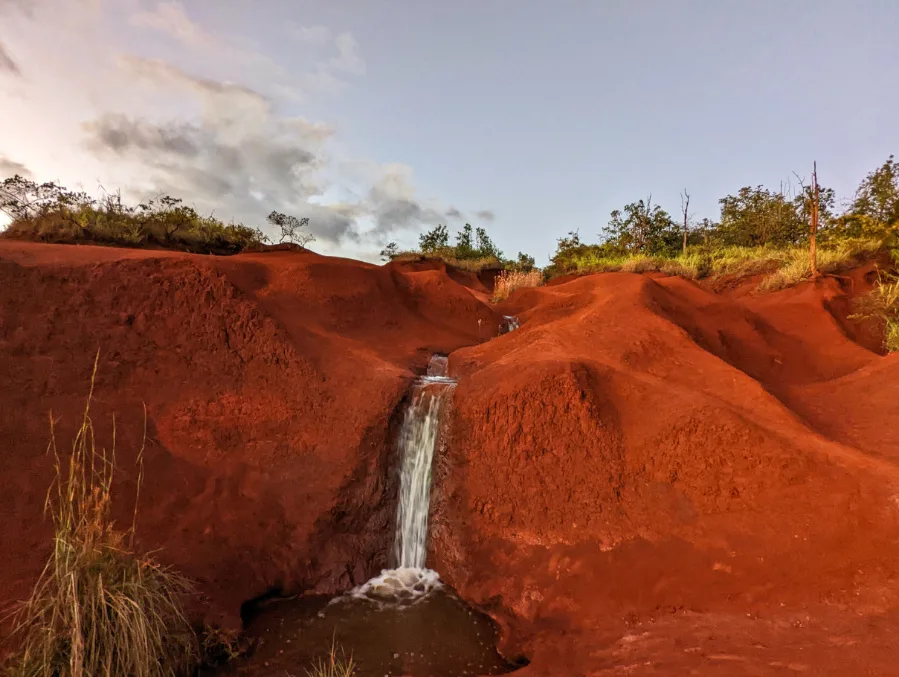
(878, 195)
(464, 243)
(685, 208)
(757, 217)
(486, 248)
(290, 228)
(437, 238)
(642, 229)
(524, 263)
(168, 214)
(389, 252)
(813, 227)
(22, 199)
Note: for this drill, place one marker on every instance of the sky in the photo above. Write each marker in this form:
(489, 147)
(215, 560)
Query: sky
(379, 119)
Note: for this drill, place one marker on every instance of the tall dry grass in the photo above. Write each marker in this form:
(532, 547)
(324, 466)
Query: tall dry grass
(510, 280)
(99, 608)
(883, 303)
(335, 664)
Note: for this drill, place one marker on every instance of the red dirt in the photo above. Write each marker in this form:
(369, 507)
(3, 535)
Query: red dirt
(270, 381)
(654, 479)
(647, 478)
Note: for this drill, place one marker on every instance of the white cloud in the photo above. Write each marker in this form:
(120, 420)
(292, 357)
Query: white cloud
(172, 18)
(317, 36)
(182, 119)
(348, 59)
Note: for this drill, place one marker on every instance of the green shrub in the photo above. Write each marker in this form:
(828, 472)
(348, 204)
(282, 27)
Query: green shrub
(50, 213)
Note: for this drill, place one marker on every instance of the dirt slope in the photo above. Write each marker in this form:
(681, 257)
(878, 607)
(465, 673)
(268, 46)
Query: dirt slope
(646, 478)
(644, 452)
(270, 382)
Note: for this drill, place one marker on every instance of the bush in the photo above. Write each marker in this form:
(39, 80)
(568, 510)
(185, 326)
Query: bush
(98, 608)
(508, 281)
(50, 213)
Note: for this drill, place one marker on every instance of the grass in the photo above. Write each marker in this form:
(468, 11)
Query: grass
(510, 280)
(797, 265)
(883, 303)
(476, 265)
(781, 267)
(333, 665)
(98, 608)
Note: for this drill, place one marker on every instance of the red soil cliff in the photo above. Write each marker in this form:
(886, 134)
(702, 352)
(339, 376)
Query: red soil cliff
(647, 478)
(647, 474)
(270, 381)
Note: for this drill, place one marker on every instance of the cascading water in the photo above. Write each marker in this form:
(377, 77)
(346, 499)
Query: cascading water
(418, 439)
(510, 323)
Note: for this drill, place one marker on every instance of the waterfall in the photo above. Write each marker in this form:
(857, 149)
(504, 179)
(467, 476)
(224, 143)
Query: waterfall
(411, 582)
(418, 438)
(510, 323)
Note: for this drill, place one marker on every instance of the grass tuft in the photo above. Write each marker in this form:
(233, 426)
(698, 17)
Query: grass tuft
(333, 665)
(510, 280)
(99, 609)
(883, 303)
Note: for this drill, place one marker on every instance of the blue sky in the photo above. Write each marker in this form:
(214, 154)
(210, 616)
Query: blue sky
(378, 119)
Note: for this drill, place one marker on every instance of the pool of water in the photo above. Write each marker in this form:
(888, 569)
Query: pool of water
(438, 635)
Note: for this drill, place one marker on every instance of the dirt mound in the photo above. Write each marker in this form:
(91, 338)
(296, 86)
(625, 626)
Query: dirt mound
(270, 382)
(646, 477)
(642, 446)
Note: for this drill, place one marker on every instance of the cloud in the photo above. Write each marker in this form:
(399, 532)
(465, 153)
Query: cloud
(453, 213)
(171, 18)
(10, 168)
(486, 215)
(7, 65)
(317, 36)
(120, 134)
(393, 204)
(348, 58)
(164, 74)
(238, 155)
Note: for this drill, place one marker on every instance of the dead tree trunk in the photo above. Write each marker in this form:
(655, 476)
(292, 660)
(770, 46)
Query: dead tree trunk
(685, 206)
(813, 227)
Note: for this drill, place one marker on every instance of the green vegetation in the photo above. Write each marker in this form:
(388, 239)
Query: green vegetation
(98, 607)
(474, 251)
(759, 232)
(49, 213)
(883, 304)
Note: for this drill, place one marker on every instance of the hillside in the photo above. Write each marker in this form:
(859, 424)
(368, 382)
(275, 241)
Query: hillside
(648, 477)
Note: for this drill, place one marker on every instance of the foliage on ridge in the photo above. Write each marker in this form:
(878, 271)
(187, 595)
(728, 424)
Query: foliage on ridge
(759, 231)
(48, 212)
(474, 251)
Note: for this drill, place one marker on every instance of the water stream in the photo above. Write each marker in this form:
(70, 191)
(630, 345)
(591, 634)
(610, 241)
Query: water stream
(418, 439)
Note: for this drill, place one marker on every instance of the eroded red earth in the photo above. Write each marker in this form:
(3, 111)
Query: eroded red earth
(647, 478)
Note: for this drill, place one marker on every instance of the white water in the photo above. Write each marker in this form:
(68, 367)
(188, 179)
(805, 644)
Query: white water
(410, 581)
(418, 438)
